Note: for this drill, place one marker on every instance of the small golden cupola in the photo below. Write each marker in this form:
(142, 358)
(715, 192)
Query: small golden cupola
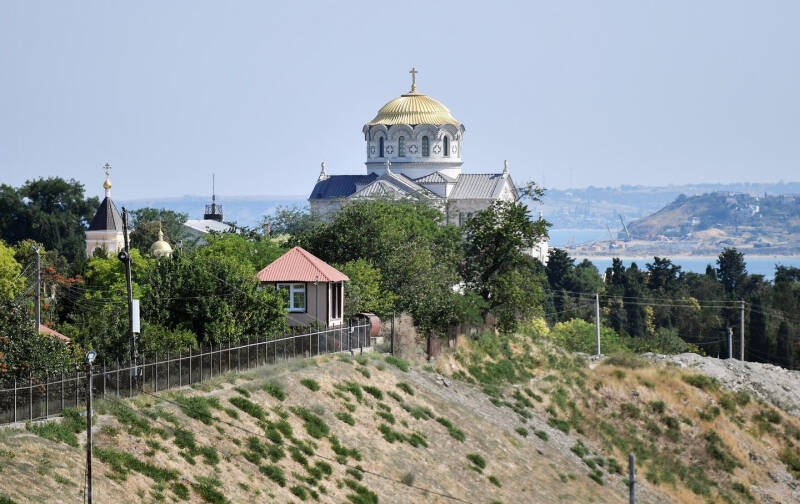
(160, 248)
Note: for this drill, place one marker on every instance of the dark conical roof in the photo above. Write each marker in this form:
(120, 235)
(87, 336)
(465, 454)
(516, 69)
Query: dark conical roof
(107, 217)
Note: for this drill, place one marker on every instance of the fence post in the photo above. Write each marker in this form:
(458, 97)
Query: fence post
(211, 360)
(104, 377)
(116, 382)
(180, 368)
(168, 363)
(46, 394)
(30, 396)
(190, 365)
(15, 399)
(632, 477)
(392, 347)
(201, 363)
(62, 393)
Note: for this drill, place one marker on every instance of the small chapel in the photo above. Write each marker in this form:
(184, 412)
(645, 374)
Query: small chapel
(413, 148)
(105, 229)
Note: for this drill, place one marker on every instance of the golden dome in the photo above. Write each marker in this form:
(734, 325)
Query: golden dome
(413, 108)
(107, 183)
(160, 248)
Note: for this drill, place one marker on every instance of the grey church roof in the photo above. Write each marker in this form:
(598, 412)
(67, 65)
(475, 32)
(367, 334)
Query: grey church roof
(339, 186)
(467, 185)
(435, 178)
(107, 217)
(478, 186)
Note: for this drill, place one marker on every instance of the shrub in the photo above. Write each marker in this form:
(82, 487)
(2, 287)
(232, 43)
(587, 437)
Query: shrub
(346, 418)
(477, 460)
(542, 435)
(362, 494)
(249, 407)
(720, 453)
(185, 439)
(702, 382)
(394, 395)
(300, 492)
(559, 424)
(630, 410)
(397, 362)
(387, 416)
(408, 479)
(209, 454)
(454, 432)
(207, 488)
(242, 391)
(198, 407)
(273, 472)
(276, 390)
(310, 384)
(122, 463)
(658, 407)
(522, 431)
(352, 387)
(314, 425)
(373, 391)
(494, 481)
(180, 490)
(405, 387)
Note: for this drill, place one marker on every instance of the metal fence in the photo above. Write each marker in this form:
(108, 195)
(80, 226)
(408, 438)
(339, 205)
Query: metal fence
(46, 394)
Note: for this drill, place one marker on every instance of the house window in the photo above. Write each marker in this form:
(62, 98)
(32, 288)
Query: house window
(297, 296)
(446, 144)
(336, 301)
(426, 147)
(380, 147)
(401, 146)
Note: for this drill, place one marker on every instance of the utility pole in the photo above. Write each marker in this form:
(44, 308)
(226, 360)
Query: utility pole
(597, 320)
(741, 332)
(90, 356)
(37, 291)
(632, 478)
(125, 257)
(730, 342)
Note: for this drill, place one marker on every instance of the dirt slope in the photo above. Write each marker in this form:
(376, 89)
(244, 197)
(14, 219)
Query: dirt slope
(265, 436)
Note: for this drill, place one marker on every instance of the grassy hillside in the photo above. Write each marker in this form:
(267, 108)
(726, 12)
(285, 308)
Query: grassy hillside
(519, 422)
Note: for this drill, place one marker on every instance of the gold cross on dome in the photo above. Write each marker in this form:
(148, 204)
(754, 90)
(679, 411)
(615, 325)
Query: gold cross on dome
(413, 73)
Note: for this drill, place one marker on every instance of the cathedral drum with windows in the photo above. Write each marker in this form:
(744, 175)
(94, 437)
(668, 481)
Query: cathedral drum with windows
(414, 147)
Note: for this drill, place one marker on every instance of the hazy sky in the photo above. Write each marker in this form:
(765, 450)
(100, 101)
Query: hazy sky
(572, 93)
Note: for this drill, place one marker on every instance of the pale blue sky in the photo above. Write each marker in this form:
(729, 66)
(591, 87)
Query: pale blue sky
(578, 93)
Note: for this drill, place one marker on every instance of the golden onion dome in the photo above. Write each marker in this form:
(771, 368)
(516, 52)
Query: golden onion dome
(107, 183)
(413, 108)
(160, 248)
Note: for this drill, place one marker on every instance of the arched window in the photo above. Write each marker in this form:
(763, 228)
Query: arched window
(401, 146)
(380, 147)
(426, 147)
(446, 145)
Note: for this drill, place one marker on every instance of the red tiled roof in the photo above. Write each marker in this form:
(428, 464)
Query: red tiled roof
(299, 265)
(43, 329)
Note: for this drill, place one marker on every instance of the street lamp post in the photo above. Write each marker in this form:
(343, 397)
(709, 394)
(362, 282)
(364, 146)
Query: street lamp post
(90, 357)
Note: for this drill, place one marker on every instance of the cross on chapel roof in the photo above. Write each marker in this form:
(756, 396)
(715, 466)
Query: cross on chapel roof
(413, 73)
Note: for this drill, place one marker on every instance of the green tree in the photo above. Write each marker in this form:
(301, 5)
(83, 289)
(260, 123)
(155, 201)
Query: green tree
(497, 265)
(577, 335)
(51, 211)
(11, 283)
(363, 292)
(785, 344)
(23, 350)
(291, 221)
(253, 251)
(731, 270)
(417, 256)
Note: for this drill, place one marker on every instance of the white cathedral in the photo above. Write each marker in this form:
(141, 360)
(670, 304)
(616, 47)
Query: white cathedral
(414, 147)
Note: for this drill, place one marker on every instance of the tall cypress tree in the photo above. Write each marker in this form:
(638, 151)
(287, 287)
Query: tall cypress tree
(785, 349)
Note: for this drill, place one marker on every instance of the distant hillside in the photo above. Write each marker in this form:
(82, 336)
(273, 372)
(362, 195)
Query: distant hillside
(596, 207)
(720, 216)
